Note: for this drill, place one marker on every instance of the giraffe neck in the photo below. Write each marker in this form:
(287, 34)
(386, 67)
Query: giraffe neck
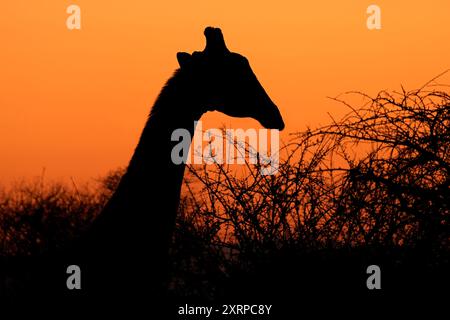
(133, 232)
(151, 170)
(148, 194)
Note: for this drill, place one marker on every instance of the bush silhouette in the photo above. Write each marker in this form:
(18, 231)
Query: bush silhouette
(373, 187)
(37, 216)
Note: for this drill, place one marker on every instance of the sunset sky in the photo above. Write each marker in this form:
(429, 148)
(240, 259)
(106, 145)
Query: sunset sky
(75, 101)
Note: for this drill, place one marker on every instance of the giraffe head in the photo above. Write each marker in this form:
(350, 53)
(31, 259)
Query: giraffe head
(224, 81)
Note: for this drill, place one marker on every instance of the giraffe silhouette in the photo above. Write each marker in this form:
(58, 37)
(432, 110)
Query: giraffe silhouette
(124, 255)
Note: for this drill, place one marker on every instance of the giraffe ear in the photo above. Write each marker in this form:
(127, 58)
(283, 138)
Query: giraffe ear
(184, 59)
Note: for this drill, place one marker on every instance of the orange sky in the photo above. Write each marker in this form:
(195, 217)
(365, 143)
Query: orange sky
(75, 102)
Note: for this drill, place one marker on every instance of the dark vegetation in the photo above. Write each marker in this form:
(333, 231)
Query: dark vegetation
(371, 188)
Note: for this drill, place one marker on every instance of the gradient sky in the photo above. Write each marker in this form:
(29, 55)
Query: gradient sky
(75, 102)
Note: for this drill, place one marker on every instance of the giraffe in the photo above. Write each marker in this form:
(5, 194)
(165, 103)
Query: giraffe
(125, 253)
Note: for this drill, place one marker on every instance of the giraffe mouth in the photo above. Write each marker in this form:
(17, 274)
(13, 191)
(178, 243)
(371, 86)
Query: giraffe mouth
(280, 126)
(276, 125)
(272, 119)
